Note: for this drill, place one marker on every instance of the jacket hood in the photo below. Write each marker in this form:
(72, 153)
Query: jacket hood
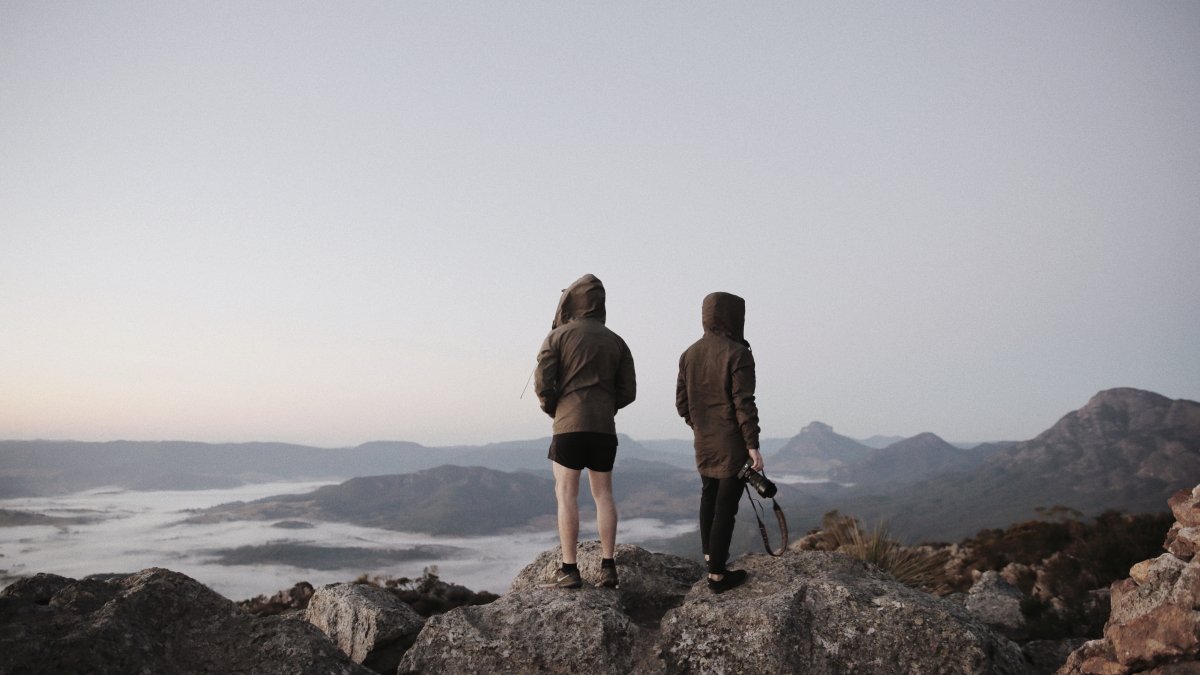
(724, 314)
(583, 299)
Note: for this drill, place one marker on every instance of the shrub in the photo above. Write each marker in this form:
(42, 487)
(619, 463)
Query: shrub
(918, 568)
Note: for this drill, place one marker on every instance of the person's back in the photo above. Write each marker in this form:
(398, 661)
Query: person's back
(584, 375)
(714, 394)
(585, 370)
(715, 391)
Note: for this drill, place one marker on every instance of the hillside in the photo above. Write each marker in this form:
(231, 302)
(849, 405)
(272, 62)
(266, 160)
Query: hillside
(816, 451)
(906, 461)
(1126, 449)
(446, 500)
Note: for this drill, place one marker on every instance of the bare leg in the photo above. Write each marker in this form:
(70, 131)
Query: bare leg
(566, 489)
(606, 510)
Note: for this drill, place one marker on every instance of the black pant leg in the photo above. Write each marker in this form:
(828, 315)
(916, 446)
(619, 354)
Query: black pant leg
(708, 509)
(719, 501)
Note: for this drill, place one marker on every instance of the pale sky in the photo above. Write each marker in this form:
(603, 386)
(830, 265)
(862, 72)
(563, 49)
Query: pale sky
(330, 223)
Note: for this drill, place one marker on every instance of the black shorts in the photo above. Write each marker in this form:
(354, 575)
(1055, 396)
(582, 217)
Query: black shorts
(581, 450)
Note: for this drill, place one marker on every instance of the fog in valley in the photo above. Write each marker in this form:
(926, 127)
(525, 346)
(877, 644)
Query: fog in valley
(118, 531)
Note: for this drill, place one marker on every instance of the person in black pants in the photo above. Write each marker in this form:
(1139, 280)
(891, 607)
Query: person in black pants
(715, 396)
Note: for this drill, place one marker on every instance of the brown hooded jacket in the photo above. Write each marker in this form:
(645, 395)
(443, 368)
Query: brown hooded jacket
(715, 390)
(584, 371)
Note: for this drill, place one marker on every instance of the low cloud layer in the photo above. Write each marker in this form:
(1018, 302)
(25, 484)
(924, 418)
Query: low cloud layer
(136, 530)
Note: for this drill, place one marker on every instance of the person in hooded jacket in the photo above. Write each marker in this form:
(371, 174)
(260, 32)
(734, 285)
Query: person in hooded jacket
(584, 375)
(715, 396)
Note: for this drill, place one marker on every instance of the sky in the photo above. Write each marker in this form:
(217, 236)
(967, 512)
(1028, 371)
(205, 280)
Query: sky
(332, 223)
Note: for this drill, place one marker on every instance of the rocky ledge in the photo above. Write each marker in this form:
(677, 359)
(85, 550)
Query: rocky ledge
(1154, 626)
(808, 611)
(155, 621)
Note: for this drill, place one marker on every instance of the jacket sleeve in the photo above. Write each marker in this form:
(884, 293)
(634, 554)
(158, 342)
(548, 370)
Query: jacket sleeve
(545, 380)
(626, 385)
(681, 395)
(742, 388)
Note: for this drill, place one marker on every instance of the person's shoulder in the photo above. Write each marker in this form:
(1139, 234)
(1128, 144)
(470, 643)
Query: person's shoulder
(702, 343)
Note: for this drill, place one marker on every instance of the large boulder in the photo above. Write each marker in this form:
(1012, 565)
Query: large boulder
(808, 611)
(370, 624)
(544, 630)
(825, 612)
(548, 630)
(650, 583)
(155, 621)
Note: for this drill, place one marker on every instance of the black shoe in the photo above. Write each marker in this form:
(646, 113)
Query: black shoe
(608, 577)
(568, 579)
(732, 579)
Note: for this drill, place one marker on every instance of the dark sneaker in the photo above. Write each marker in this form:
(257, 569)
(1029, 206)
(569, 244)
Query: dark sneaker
(732, 579)
(608, 577)
(568, 579)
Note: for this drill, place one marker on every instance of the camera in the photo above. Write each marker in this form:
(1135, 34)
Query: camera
(761, 484)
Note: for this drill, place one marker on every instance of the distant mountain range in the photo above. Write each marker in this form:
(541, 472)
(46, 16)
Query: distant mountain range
(907, 461)
(1126, 449)
(33, 468)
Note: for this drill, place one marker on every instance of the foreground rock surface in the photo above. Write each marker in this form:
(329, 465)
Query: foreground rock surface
(809, 611)
(369, 624)
(651, 583)
(549, 630)
(823, 612)
(155, 621)
(1154, 626)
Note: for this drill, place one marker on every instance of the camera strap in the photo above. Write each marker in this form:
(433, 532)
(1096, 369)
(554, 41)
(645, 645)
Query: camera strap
(762, 527)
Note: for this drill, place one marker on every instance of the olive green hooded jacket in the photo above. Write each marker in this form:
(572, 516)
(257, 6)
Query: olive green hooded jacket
(584, 370)
(715, 390)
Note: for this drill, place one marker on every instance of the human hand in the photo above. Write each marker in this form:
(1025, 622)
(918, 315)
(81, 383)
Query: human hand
(756, 460)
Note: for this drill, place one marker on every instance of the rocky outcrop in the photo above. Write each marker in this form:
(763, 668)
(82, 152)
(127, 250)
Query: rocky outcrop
(1154, 625)
(651, 583)
(548, 630)
(155, 621)
(808, 611)
(543, 630)
(822, 612)
(370, 624)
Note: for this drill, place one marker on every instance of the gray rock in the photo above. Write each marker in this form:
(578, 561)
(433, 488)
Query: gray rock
(650, 583)
(808, 611)
(997, 603)
(548, 630)
(155, 621)
(544, 630)
(822, 612)
(370, 624)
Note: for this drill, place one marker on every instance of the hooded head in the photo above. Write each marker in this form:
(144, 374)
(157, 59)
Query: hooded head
(724, 314)
(583, 299)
